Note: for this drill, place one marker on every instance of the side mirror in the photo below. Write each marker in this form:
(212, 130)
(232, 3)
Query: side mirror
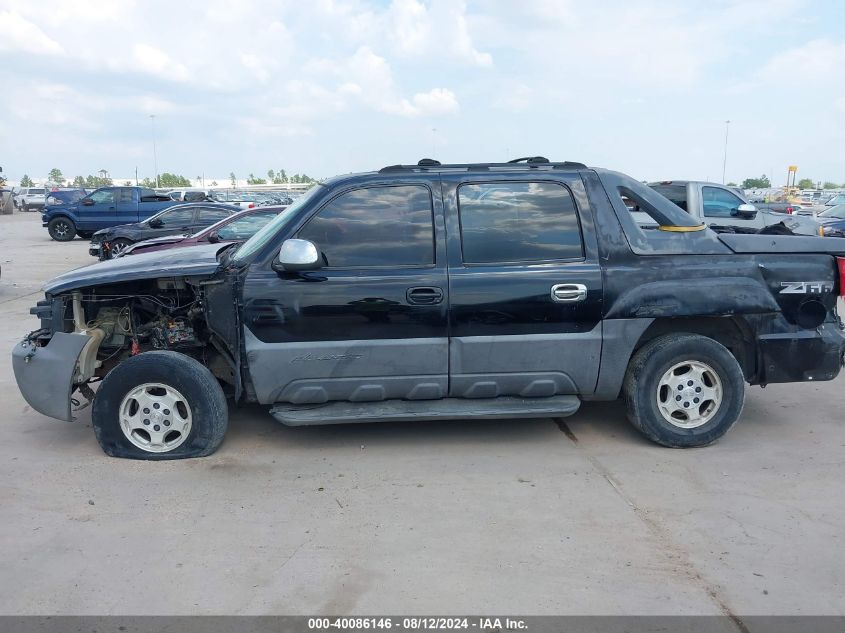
(213, 237)
(156, 224)
(746, 211)
(296, 255)
(87, 202)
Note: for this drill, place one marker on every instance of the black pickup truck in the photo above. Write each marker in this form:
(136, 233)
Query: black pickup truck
(429, 291)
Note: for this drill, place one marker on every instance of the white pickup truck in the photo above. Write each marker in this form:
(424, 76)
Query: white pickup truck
(719, 207)
(30, 198)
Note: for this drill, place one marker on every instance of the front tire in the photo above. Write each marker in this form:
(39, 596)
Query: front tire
(160, 405)
(117, 246)
(61, 229)
(684, 390)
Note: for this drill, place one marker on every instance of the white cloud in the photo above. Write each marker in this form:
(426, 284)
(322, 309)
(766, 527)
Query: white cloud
(155, 61)
(18, 33)
(434, 30)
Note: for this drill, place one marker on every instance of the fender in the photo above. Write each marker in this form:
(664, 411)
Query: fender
(694, 297)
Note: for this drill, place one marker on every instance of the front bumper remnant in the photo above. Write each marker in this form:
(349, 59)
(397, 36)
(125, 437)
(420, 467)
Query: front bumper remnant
(45, 374)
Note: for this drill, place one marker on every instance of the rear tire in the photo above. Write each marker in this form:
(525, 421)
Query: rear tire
(148, 391)
(684, 390)
(61, 229)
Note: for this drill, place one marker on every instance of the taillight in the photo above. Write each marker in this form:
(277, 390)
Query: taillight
(840, 261)
(789, 209)
(251, 205)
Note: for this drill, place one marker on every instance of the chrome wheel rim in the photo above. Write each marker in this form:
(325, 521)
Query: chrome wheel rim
(117, 248)
(155, 417)
(689, 394)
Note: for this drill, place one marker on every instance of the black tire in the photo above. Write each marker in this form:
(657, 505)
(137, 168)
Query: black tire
(117, 245)
(642, 390)
(194, 381)
(61, 229)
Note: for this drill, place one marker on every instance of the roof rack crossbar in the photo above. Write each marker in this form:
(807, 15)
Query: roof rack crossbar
(530, 162)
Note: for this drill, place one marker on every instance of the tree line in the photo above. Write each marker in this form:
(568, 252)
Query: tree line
(166, 180)
(763, 182)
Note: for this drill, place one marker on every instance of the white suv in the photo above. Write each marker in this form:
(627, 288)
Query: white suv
(30, 198)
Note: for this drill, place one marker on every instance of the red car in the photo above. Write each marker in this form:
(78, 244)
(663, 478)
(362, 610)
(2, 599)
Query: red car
(236, 228)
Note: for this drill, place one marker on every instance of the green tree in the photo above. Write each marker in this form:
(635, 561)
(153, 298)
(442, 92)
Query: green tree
(148, 182)
(173, 180)
(233, 179)
(252, 180)
(79, 182)
(806, 183)
(282, 176)
(127, 183)
(271, 176)
(56, 176)
(731, 184)
(757, 183)
(26, 181)
(831, 185)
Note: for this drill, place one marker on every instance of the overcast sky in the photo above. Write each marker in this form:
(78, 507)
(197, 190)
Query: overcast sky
(331, 86)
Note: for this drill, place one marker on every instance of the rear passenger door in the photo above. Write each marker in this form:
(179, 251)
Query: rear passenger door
(126, 205)
(525, 287)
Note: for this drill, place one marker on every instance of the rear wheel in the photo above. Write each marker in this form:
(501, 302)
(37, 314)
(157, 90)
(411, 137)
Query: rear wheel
(61, 229)
(160, 405)
(684, 390)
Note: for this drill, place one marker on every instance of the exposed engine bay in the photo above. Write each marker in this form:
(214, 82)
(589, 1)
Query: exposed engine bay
(124, 320)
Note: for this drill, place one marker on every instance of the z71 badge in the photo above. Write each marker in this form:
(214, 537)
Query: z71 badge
(806, 287)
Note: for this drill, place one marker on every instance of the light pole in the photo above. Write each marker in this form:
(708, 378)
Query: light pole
(155, 157)
(725, 161)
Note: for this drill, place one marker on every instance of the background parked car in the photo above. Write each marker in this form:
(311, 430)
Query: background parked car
(30, 198)
(190, 195)
(182, 219)
(833, 221)
(241, 226)
(103, 208)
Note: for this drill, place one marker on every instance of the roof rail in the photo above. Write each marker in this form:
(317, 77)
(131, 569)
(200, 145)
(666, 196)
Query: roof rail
(528, 162)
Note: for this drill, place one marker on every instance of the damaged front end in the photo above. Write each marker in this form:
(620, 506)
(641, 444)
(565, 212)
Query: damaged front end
(87, 332)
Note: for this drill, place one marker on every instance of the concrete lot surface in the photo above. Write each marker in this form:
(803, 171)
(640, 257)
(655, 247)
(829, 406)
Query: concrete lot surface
(506, 517)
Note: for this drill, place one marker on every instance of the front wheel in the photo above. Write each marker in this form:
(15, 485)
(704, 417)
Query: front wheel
(117, 246)
(61, 229)
(684, 390)
(160, 405)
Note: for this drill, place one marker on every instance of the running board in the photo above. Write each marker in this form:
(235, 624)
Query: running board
(408, 410)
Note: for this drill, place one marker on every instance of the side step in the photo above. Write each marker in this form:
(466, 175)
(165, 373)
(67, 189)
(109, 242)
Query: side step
(407, 410)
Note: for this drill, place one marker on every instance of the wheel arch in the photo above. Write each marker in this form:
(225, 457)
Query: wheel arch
(622, 338)
(733, 332)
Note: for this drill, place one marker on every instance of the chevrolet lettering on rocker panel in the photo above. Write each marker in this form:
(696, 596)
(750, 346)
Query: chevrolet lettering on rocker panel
(440, 291)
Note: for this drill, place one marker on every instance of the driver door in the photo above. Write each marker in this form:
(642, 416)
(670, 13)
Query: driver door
(371, 323)
(97, 210)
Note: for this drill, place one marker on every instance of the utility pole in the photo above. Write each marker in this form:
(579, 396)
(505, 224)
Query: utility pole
(155, 157)
(725, 161)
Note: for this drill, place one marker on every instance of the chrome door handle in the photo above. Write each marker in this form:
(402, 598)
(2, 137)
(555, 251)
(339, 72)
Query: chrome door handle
(569, 293)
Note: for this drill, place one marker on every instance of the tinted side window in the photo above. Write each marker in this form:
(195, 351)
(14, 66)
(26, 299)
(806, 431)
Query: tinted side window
(376, 226)
(518, 222)
(103, 196)
(719, 203)
(675, 193)
(244, 228)
(208, 216)
(177, 217)
(124, 195)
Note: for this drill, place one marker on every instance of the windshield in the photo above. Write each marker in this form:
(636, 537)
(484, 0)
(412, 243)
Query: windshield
(837, 212)
(260, 239)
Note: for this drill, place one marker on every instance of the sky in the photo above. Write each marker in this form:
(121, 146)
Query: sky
(334, 86)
